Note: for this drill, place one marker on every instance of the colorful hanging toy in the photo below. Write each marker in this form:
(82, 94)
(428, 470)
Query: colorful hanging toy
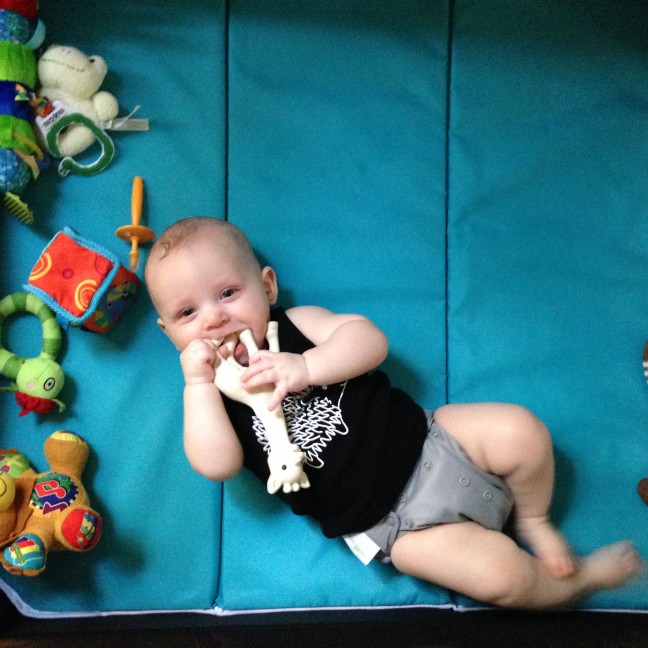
(135, 232)
(20, 156)
(35, 381)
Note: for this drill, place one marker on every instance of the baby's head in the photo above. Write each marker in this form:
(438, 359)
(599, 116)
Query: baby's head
(206, 282)
(184, 232)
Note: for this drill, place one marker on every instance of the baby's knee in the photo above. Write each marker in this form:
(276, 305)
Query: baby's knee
(527, 431)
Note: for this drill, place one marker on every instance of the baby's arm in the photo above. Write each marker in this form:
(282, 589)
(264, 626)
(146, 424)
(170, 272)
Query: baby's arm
(210, 442)
(346, 346)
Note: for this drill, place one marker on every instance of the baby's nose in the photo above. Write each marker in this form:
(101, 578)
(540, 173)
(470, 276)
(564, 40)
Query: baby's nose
(214, 317)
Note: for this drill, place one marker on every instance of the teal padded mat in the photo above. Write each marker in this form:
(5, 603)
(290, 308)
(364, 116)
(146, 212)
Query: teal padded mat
(469, 175)
(547, 246)
(337, 172)
(533, 279)
(161, 521)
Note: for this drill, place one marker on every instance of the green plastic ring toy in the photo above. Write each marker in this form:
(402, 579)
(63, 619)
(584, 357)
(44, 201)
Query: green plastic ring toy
(69, 165)
(35, 381)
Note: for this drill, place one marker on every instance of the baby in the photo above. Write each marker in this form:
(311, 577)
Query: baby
(427, 491)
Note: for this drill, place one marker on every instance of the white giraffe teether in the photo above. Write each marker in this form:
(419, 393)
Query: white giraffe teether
(285, 459)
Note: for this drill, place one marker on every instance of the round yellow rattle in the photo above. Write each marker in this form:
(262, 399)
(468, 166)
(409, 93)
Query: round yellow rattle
(135, 232)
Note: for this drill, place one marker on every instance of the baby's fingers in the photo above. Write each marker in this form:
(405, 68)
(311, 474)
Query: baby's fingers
(257, 374)
(276, 399)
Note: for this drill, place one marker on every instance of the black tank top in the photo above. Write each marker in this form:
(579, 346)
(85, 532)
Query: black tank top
(361, 440)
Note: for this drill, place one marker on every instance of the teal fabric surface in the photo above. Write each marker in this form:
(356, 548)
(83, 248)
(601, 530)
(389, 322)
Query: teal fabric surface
(469, 175)
(336, 170)
(547, 246)
(123, 388)
(546, 241)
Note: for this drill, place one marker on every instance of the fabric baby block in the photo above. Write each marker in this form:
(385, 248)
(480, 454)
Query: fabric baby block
(82, 282)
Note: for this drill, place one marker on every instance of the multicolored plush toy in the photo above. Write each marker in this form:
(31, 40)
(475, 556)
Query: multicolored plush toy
(48, 511)
(82, 282)
(73, 111)
(20, 156)
(35, 381)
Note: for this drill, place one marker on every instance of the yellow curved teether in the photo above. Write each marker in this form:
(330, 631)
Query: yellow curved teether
(135, 232)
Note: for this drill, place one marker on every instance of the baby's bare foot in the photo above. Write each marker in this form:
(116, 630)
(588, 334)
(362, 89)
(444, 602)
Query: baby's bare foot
(548, 545)
(610, 566)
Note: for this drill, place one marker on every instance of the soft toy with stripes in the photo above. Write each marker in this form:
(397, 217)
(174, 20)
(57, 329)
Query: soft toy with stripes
(35, 381)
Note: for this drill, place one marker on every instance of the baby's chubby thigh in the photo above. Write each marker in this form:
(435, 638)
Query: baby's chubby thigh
(497, 437)
(461, 556)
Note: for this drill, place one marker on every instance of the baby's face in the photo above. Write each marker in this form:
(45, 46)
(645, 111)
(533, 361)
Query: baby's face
(201, 291)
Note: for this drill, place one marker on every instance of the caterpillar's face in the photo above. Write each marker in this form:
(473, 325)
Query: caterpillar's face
(40, 377)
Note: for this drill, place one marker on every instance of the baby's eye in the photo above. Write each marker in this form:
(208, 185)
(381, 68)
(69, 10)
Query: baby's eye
(228, 293)
(187, 312)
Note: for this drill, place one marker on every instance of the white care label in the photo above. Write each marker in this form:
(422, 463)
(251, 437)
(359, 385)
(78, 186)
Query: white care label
(362, 546)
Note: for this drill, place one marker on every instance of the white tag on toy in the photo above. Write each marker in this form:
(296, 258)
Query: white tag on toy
(364, 548)
(127, 123)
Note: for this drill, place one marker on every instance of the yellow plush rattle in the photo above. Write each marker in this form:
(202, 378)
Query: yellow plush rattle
(136, 233)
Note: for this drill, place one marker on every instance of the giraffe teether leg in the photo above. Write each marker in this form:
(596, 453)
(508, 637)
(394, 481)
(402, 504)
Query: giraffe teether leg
(248, 339)
(272, 335)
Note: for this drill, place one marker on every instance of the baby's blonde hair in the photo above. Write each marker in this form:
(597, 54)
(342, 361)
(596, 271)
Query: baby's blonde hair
(186, 230)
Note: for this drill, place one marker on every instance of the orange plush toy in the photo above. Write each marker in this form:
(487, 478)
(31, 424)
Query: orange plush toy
(48, 511)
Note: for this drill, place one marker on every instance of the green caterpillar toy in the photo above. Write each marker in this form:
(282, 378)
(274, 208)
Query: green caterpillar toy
(35, 381)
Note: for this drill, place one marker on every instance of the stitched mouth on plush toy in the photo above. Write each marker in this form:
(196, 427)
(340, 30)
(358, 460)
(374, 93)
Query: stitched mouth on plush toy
(47, 59)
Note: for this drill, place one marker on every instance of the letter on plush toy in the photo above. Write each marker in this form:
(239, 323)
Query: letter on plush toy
(285, 459)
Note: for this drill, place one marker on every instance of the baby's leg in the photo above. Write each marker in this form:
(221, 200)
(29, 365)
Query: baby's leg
(490, 567)
(511, 442)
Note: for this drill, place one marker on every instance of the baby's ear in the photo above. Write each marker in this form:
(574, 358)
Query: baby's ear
(269, 278)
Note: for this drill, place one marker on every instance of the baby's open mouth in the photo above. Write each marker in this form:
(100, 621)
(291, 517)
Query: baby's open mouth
(235, 348)
(241, 353)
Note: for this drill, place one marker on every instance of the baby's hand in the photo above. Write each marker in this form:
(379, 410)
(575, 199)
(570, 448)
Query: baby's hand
(286, 371)
(197, 362)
